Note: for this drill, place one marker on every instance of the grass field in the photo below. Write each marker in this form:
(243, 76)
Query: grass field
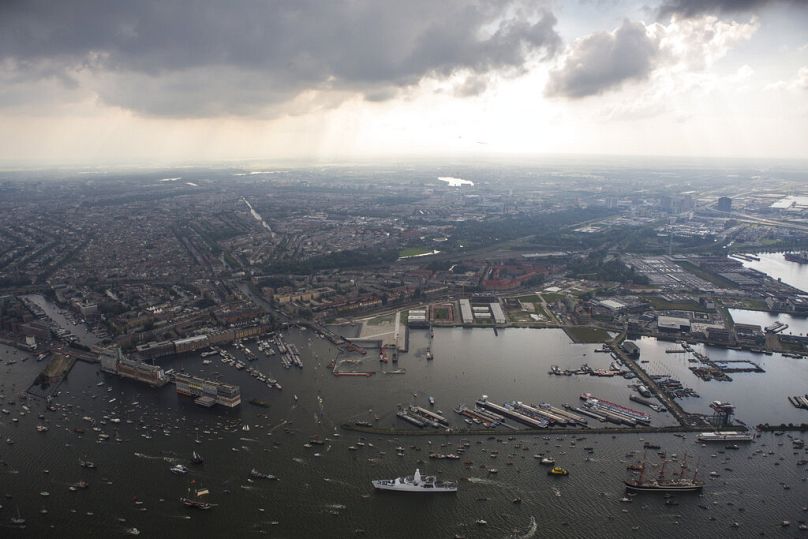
(706, 275)
(441, 313)
(586, 335)
(661, 304)
(384, 319)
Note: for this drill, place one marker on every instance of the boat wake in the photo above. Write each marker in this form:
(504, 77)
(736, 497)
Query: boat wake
(337, 481)
(530, 532)
(483, 481)
(152, 457)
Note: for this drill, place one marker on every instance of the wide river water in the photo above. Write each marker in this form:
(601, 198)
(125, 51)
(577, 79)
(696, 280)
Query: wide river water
(758, 486)
(777, 267)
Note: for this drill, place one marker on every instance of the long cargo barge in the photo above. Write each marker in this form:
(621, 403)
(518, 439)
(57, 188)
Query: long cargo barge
(474, 416)
(655, 407)
(412, 420)
(564, 413)
(589, 413)
(529, 421)
(538, 414)
(427, 414)
(490, 416)
(612, 417)
(618, 409)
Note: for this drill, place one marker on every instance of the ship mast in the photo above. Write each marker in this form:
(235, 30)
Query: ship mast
(642, 472)
(683, 466)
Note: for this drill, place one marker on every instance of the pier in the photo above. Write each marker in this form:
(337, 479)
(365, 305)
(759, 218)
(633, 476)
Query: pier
(685, 419)
(550, 430)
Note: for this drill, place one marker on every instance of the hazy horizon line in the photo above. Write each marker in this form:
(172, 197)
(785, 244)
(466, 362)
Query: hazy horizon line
(549, 159)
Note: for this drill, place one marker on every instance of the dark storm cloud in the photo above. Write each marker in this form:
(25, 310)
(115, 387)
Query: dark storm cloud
(200, 57)
(696, 8)
(603, 61)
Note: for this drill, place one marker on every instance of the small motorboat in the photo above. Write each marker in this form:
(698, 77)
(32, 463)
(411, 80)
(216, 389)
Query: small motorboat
(557, 470)
(179, 469)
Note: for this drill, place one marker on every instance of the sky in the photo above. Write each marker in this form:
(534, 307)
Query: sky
(185, 81)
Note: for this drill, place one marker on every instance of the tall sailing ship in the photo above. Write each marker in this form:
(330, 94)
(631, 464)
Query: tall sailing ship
(195, 499)
(678, 481)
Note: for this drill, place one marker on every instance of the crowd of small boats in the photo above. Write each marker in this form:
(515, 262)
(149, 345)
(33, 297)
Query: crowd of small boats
(228, 358)
(154, 422)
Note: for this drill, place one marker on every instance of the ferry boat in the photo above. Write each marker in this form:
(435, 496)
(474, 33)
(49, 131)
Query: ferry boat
(415, 483)
(726, 436)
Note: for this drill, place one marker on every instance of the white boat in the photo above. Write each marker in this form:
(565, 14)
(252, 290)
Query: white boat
(415, 483)
(726, 436)
(18, 520)
(260, 475)
(179, 469)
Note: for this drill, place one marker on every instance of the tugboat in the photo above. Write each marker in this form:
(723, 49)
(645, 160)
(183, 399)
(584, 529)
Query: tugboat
(557, 470)
(415, 483)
